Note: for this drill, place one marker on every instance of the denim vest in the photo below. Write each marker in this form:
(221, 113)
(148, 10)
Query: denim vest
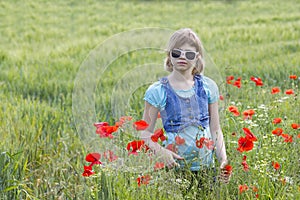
(182, 112)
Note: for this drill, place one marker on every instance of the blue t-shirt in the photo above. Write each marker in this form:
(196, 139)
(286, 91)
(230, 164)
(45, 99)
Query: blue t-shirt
(196, 158)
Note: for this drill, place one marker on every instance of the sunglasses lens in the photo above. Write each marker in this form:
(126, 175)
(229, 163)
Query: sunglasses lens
(190, 55)
(175, 53)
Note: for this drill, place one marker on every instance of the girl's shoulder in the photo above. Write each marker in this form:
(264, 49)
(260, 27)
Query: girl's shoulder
(156, 86)
(209, 83)
(156, 89)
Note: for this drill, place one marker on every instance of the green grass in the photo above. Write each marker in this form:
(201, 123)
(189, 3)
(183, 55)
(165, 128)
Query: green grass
(43, 45)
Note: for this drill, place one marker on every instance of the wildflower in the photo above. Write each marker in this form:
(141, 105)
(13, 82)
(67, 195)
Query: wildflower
(143, 180)
(159, 165)
(287, 138)
(275, 90)
(135, 146)
(106, 131)
(229, 79)
(228, 169)
(93, 158)
(295, 126)
(257, 81)
(88, 171)
(243, 188)
(205, 141)
(99, 124)
(140, 125)
(276, 120)
(248, 114)
(276, 165)
(293, 77)
(254, 189)
(179, 140)
(277, 131)
(110, 156)
(289, 91)
(172, 147)
(238, 83)
(234, 110)
(221, 97)
(123, 120)
(245, 165)
(298, 136)
(158, 134)
(249, 135)
(244, 144)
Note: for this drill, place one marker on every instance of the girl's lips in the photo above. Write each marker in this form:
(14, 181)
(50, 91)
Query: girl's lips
(181, 63)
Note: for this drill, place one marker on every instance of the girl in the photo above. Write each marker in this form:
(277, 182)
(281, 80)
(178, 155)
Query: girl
(187, 102)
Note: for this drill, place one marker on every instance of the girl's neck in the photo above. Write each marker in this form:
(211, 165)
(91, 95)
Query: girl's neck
(181, 81)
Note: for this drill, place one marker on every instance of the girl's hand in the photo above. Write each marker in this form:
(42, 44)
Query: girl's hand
(168, 157)
(225, 173)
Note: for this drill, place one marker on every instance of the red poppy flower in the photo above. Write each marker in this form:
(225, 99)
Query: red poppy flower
(245, 166)
(123, 120)
(276, 120)
(276, 165)
(229, 79)
(93, 158)
(257, 81)
(140, 125)
(295, 126)
(289, 91)
(88, 171)
(244, 144)
(287, 138)
(234, 110)
(298, 136)
(158, 134)
(200, 142)
(135, 146)
(106, 131)
(172, 147)
(143, 180)
(243, 188)
(228, 169)
(205, 141)
(221, 97)
(179, 140)
(238, 82)
(100, 124)
(277, 131)
(293, 77)
(249, 135)
(110, 156)
(254, 189)
(275, 90)
(248, 114)
(159, 165)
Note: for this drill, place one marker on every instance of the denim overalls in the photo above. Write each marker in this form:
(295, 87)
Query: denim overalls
(189, 119)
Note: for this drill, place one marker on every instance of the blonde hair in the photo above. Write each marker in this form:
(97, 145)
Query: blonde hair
(180, 37)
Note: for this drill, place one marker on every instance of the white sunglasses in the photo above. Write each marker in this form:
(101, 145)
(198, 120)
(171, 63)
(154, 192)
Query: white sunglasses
(190, 55)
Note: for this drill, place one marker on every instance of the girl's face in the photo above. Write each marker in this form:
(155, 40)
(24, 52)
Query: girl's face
(184, 58)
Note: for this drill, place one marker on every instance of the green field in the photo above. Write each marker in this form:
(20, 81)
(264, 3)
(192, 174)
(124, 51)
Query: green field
(46, 45)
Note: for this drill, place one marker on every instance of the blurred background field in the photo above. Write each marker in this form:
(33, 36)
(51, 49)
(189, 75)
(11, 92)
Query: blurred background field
(44, 43)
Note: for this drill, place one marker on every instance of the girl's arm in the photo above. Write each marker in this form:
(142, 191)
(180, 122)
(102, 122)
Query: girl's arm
(216, 133)
(217, 137)
(150, 116)
(164, 155)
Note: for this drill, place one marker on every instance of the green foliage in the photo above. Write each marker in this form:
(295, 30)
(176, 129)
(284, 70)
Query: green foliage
(43, 45)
